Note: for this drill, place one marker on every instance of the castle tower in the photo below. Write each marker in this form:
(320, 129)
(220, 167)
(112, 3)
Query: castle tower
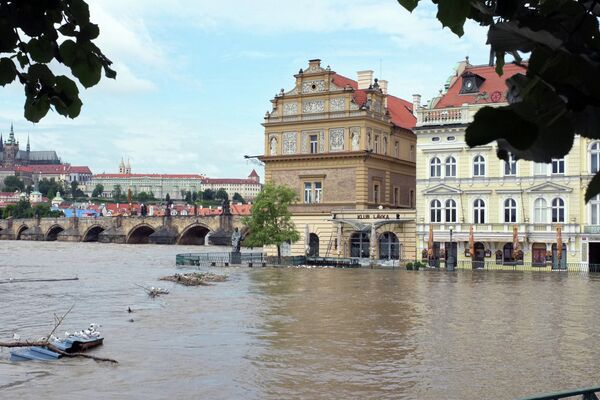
(11, 148)
(128, 167)
(122, 166)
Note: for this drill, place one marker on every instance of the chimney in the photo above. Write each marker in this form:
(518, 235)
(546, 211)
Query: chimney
(365, 79)
(314, 65)
(416, 103)
(383, 85)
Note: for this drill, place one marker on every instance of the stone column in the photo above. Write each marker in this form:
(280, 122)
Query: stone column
(339, 239)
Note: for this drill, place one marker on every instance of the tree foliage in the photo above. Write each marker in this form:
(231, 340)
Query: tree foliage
(35, 35)
(221, 194)
(23, 209)
(559, 96)
(238, 198)
(13, 183)
(49, 188)
(270, 222)
(98, 190)
(117, 192)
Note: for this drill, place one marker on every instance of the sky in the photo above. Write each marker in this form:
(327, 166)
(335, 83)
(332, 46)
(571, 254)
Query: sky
(196, 77)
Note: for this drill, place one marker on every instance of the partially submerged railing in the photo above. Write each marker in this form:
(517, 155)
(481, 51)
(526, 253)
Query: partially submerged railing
(586, 394)
(222, 259)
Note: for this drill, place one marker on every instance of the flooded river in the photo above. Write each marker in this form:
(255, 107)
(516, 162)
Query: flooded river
(291, 333)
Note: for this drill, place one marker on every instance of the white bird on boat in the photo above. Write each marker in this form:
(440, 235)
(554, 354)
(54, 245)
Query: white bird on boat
(16, 336)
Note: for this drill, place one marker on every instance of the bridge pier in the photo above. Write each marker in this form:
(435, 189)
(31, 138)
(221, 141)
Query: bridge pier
(72, 233)
(114, 234)
(166, 234)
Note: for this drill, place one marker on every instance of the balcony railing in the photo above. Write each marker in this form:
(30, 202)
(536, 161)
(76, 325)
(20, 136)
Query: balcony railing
(522, 228)
(456, 115)
(591, 229)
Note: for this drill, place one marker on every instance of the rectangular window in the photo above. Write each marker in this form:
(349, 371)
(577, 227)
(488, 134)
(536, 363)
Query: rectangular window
(558, 166)
(510, 166)
(540, 169)
(376, 193)
(307, 192)
(314, 144)
(396, 192)
(318, 192)
(376, 144)
(412, 152)
(397, 149)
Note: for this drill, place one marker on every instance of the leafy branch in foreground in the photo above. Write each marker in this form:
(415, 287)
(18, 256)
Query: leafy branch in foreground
(36, 34)
(559, 96)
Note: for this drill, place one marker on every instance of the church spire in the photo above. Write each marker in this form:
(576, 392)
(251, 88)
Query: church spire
(28, 148)
(1, 143)
(11, 135)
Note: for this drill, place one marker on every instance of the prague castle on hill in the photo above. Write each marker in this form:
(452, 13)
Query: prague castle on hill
(12, 156)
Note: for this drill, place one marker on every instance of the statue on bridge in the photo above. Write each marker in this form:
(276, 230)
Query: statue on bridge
(236, 240)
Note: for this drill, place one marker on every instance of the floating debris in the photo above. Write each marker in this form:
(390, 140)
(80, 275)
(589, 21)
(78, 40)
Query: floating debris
(195, 278)
(154, 291)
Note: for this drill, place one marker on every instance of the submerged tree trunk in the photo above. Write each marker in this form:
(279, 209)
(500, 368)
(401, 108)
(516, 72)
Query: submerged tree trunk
(278, 254)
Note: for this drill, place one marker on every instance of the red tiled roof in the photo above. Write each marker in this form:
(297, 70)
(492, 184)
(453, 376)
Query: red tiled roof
(493, 84)
(253, 174)
(400, 110)
(80, 170)
(162, 176)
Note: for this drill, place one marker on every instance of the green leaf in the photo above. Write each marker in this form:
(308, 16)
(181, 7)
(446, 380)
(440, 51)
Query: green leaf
(36, 108)
(40, 72)
(493, 123)
(453, 14)
(8, 71)
(67, 102)
(410, 5)
(88, 32)
(23, 60)
(88, 70)
(68, 29)
(593, 188)
(80, 10)
(40, 49)
(68, 51)
(8, 37)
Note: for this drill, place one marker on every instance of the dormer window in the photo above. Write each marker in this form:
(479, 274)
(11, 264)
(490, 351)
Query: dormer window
(471, 83)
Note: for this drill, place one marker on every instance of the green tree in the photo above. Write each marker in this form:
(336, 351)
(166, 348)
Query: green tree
(48, 188)
(208, 194)
(559, 95)
(238, 198)
(143, 197)
(98, 190)
(74, 187)
(20, 210)
(270, 222)
(37, 34)
(168, 198)
(194, 196)
(221, 194)
(188, 197)
(117, 192)
(29, 189)
(13, 183)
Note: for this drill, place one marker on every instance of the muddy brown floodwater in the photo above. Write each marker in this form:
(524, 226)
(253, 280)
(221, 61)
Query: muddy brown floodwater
(295, 333)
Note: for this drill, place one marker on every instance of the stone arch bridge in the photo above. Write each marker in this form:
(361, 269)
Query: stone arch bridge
(194, 230)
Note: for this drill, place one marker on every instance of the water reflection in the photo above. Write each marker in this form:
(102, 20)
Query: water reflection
(287, 333)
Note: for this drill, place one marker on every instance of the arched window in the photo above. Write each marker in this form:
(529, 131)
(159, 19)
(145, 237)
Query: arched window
(479, 166)
(510, 210)
(510, 166)
(594, 205)
(479, 212)
(436, 168)
(558, 210)
(436, 211)
(313, 245)
(359, 245)
(450, 210)
(595, 157)
(540, 208)
(451, 166)
(389, 247)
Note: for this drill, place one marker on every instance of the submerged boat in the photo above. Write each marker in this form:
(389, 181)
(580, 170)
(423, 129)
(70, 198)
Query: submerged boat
(70, 344)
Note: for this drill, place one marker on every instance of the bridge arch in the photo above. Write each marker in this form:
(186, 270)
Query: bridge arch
(20, 230)
(53, 232)
(140, 234)
(91, 234)
(194, 234)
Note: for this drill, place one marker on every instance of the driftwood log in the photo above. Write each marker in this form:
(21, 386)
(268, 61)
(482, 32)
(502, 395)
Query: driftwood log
(195, 278)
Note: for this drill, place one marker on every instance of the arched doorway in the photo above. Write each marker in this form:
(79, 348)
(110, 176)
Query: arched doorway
(53, 233)
(479, 256)
(389, 246)
(313, 245)
(556, 263)
(140, 235)
(92, 234)
(20, 231)
(538, 254)
(194, 235)
(359, 245)
(508, 254)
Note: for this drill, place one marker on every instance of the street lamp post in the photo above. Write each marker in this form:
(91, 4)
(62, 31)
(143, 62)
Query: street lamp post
(450, 260)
